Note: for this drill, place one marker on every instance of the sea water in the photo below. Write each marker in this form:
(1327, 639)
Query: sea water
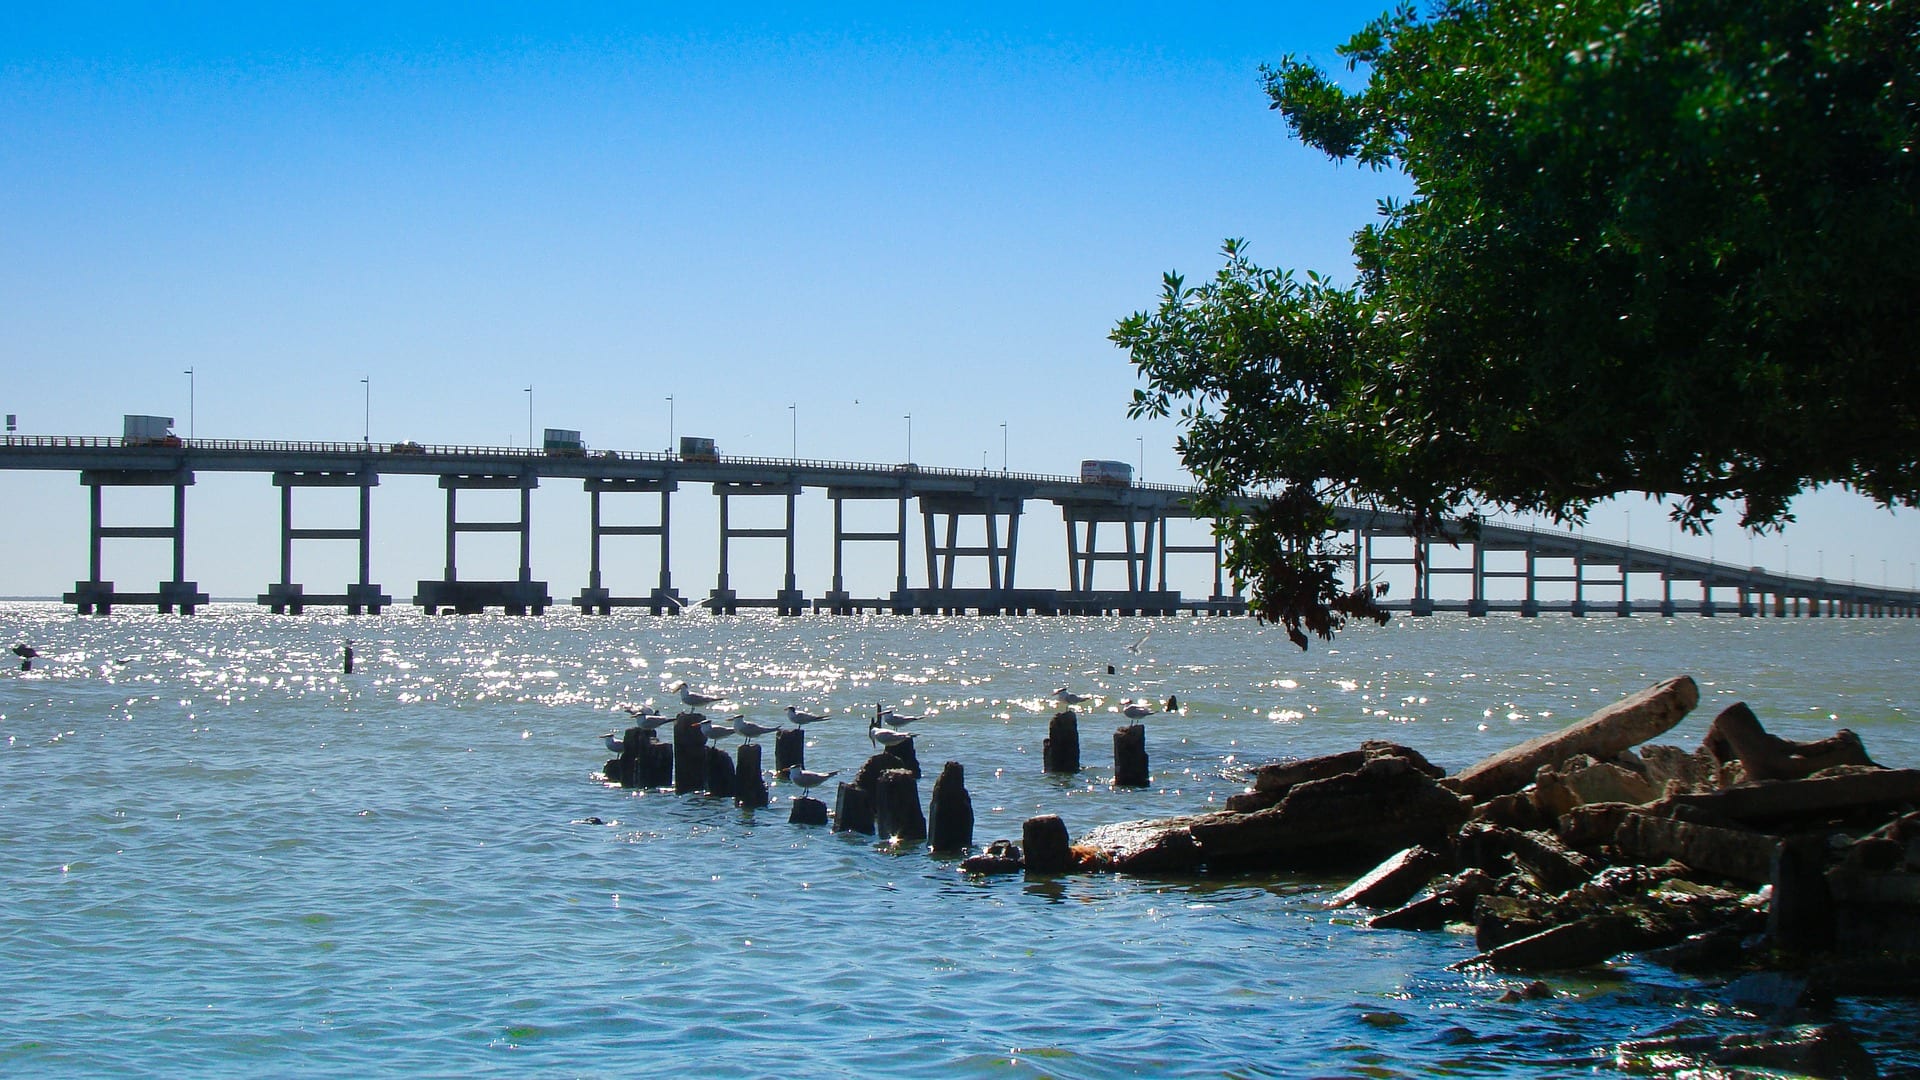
(222, 856)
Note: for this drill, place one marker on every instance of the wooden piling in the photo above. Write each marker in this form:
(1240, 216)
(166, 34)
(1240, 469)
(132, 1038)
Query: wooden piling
(950, 811)
(719, 772)
(1130, 756)
(896, 807)
(689, 754)
(807, 810)
(789, 749)
(749, 783)
(853, 810)
(1044, 845)
(1060, 753)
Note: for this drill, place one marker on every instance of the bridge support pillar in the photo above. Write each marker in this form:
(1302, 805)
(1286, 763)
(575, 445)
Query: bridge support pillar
(97, 596)
(596, 598)
(451, 595)
(285, 596)
(723, 599)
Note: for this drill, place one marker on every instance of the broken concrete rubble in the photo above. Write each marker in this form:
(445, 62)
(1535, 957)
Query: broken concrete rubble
(1574, 847)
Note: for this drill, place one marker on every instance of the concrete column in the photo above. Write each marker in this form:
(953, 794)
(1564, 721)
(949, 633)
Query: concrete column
(526, 534)
(900, 580)
(286, 535)
(452, 575)
(1013, 541)
(839, 538)
(721, 586)
(93, 532)
(366, 535)
(179, 532)
(792, 582)
(666, 542)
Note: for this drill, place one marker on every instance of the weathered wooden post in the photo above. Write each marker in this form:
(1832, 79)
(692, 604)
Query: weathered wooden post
(719, 772)
(852, 810)
(950, 812)
(1060, 753)
(749, 784)
(807, 810)
(907, 757)
(789, 749)
(644, 761)
(1130, 756)
(896, 807)
(653, 766)
(689, 753)
(1044, 845)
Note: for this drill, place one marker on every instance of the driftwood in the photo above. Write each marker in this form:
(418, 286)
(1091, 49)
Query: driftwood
(1736, 734)
(1617, 727)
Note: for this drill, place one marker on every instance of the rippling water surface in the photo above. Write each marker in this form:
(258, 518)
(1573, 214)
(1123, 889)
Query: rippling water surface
(220, 856)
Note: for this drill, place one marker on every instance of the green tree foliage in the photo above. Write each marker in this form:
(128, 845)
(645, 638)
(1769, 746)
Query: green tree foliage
(1665, 246)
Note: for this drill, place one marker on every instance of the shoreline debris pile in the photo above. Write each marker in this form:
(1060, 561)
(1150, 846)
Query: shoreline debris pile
(1752, 851)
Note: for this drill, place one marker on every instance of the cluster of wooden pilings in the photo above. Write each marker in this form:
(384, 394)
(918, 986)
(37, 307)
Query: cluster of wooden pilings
(882, 799)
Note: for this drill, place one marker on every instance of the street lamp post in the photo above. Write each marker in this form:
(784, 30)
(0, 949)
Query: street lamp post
(366, 411)
(1003, 446)
(669, 423)
(794, 408)
(1142, 440)
(189, 375)
(529, 419)
(909, 419)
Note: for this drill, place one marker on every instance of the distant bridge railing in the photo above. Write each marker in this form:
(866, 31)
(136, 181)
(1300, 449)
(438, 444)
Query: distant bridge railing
(412, 449)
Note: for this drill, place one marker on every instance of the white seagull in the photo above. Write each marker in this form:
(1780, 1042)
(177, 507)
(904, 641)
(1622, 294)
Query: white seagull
(1067, 697)
(692, 700)
(615, 744)
(720, 729)
(888, 737)
(647, 719)
(1133, 710)
(749, 730)
(889, 718)
(1135, 647)
(809, 780)
(802, 719)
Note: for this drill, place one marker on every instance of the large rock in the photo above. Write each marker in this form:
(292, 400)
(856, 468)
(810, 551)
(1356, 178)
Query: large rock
(1618, 727)
(1385, 805)
(1272, 782)
(1345, 820)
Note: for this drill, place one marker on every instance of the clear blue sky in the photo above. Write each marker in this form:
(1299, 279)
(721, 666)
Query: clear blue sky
(861, 212)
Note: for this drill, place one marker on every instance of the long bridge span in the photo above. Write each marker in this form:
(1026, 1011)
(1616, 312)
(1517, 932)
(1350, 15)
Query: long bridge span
(1581, 576)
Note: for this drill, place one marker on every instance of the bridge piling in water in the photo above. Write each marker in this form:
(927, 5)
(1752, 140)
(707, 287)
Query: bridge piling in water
(97, 596)
(289, 597)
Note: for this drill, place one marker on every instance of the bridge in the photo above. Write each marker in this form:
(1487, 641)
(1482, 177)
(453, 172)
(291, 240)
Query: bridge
(1582, 576)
